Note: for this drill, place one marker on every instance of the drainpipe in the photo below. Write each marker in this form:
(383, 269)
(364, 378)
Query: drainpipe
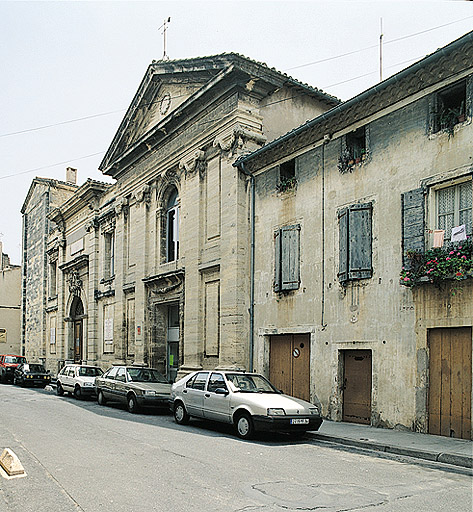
(242, 168)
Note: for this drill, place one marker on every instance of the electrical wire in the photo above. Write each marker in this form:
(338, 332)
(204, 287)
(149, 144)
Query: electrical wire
(51, 165)
(287, 69)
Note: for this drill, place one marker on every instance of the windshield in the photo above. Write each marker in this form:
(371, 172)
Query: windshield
(250, 383)
(145, 375)
(90, 372)
(15, 360)
(39, 368)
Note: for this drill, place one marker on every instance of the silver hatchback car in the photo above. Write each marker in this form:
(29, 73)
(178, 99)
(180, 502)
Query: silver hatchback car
(246, 400)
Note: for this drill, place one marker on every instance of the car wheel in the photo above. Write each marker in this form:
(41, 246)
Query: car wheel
(132, 404)
(59, 390)
(77, 392)
(101, 399)
(15, 381)
(244, 426)
(180, 414)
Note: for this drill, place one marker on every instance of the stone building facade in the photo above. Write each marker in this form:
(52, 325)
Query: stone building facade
(342, 204)
(10, 293)
(36, 279)
(154, 268)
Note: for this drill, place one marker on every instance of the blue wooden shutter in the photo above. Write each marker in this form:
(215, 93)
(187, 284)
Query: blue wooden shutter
(359, 241)
(413, 221)
(277, 260)
(343, 245)
(290, 257)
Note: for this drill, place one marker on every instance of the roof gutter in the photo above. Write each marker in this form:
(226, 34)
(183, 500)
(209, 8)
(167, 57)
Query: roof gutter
(446, 51)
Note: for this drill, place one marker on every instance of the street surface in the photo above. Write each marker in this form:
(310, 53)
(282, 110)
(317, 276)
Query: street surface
(80, 456)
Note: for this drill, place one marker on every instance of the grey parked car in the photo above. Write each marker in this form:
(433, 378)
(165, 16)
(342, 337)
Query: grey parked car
(136, 386)
(246, 400)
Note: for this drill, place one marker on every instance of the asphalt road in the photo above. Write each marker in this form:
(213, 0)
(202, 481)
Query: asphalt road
(80, 456)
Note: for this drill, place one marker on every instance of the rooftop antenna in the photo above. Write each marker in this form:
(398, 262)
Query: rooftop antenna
(164, 27)
(381, 50)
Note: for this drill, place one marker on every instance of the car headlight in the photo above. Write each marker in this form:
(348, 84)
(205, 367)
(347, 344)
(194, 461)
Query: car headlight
(150, 392)
(314, 410)
(276, 412)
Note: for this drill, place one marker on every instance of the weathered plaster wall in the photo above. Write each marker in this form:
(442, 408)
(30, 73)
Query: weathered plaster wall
(376, 313)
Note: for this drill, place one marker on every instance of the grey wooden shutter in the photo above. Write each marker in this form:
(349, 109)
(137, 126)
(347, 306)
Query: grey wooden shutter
(277, 260)
(359, 241)
(290, 257)
(413, 221)
(343, 245)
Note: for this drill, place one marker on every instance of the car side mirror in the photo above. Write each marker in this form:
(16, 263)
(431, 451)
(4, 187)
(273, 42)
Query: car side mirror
(221, 391)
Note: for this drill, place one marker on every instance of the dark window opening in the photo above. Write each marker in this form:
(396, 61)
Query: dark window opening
(172, 228)
(450, 107)
(287, 176)
(356, 143)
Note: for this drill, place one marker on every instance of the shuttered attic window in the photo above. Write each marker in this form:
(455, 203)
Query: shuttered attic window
(355, 252)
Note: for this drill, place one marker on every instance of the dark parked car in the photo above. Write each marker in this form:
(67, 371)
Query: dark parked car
(31, 374)
(8, 364)
(135, 386)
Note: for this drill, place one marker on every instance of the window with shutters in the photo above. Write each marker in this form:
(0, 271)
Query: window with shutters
(286, 261)
(355, 246)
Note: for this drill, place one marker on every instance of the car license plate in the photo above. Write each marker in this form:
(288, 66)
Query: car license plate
(300, 421)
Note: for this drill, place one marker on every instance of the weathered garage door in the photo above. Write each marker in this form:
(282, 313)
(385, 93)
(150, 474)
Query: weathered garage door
(289, 364)
(450, 382)
(357, 386)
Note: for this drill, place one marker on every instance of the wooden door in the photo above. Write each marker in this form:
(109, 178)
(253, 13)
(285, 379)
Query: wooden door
(450, 382)
(357, 386)
(78, 341)
(289, 364)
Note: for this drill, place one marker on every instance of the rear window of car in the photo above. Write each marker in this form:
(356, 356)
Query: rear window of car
(89, 372)
(146, 375)
(15, 360)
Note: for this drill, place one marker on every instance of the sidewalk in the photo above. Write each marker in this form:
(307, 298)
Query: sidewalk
(458, 452)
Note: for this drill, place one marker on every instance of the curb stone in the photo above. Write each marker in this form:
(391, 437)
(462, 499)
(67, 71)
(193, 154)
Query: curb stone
(446, 458)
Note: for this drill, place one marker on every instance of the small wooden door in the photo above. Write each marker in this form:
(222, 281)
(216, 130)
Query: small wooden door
(289, 364)
(450, 382)
(78, 341)
(357, 386)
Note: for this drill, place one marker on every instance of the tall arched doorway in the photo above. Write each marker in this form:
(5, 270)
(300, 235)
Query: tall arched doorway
(77, 316)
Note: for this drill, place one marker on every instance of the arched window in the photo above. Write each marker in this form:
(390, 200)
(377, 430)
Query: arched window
(172, 227)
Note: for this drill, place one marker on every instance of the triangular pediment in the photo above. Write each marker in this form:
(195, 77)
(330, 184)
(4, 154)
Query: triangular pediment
(161, 92)
(170, 89)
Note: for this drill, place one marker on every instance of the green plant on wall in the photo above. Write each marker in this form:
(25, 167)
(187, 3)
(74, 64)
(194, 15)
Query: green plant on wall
(286, 183)
(454, 262)
(346, 162)
(449, 118)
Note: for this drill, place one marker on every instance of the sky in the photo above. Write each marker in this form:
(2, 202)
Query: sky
(69, 70)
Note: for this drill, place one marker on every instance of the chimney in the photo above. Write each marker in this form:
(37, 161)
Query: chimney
(71, 175)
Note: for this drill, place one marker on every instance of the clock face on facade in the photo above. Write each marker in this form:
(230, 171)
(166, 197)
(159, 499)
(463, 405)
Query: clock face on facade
(165, 104)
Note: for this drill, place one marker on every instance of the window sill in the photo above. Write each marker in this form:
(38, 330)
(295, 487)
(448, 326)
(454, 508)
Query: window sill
(107, 280)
